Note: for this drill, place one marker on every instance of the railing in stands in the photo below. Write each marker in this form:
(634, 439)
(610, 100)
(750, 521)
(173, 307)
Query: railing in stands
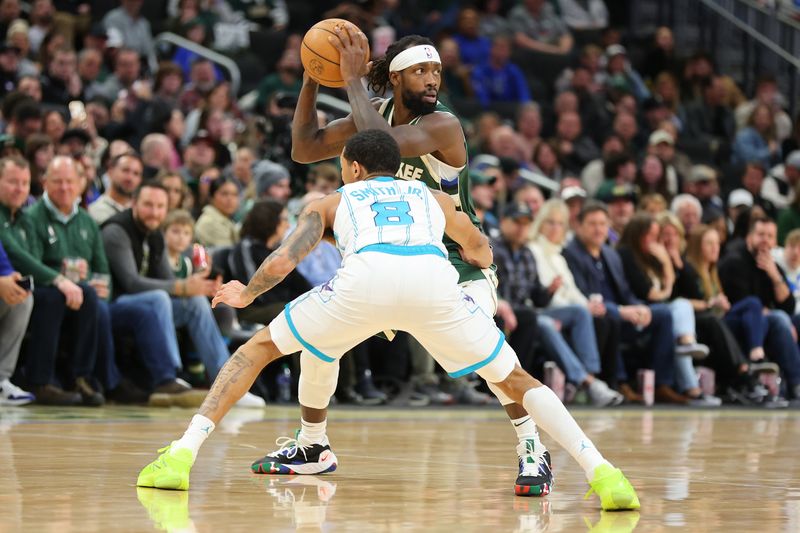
(225, 62)
(763, 39)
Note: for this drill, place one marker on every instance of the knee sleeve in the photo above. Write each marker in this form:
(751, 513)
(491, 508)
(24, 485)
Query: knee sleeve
(317, 382)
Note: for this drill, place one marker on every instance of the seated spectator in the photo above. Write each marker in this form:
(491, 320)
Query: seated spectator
(157, 155)
(575, 150)
(90, 63)
(263, 230)
(649, 270)
(167, 84)
(530, 195)
(593, 174)
(125, 175)
(702, 183)
(621, 78)
(135, 29)
(216, 227)
(473, 47)
(547, 241)
(789, 261)
(725, 355)
(662, 144)
(688, 210)
(752, 181)
(619, 171)
(766, 93)
(710, 125)
(651, 177)
(653, 204)
(497, 79)
(750, 270)
(241, 170)
(178, 235)
(202, 79)
(621, 200)
(39, 151)
(575, 197)
(537, 28)
(126, 236)
(483, 198)
(597, 269)
(180, 197)
(272, 181)
(757, 142)
(456, 82)
(545, 161)
(60, 305)
(661, 57)
(15, 310)
(60, 82)
(529, 126)
(198, 156)
(779, 186)
(745, 318)
(627, 128)
(789, 218)
(54, 125)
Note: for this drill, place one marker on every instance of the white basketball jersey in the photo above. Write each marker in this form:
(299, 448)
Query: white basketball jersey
(389, 215)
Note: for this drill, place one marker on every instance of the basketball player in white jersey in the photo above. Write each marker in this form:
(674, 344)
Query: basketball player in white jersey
(434, 151)
(389, 231)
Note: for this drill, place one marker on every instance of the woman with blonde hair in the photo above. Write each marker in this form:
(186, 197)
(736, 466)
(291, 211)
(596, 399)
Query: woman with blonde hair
(594, 335)
(746, 318)
(725, 355)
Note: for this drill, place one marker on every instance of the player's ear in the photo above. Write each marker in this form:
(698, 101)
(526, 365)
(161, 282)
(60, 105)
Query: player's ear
(394, 78)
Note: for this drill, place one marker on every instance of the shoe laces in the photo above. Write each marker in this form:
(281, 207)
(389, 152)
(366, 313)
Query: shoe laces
(537, 454)
(290, 445)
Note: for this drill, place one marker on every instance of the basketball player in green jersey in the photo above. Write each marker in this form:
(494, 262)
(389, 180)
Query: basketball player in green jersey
(433, 150)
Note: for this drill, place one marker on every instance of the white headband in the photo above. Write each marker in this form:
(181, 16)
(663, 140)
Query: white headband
(423, 53)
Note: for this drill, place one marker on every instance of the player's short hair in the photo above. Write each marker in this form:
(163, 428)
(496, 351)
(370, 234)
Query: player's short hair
(375, 150)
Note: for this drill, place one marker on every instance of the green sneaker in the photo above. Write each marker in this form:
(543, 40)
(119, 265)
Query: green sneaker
(169, 471)
(615, 491)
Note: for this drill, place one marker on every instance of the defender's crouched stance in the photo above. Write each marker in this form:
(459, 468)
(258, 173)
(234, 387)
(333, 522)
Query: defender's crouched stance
(388, 231)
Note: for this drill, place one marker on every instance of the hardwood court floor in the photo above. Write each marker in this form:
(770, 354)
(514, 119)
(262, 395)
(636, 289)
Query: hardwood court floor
(400, 470)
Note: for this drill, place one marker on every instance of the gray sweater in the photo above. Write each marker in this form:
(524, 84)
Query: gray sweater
(122, 263)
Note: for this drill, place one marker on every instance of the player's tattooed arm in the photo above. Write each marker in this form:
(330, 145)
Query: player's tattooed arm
(281, 262)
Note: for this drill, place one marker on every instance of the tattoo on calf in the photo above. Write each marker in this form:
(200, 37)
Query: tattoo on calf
(230, 373)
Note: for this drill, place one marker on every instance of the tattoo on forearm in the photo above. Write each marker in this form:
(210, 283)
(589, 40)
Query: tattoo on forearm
(230, 374)
(304, 238)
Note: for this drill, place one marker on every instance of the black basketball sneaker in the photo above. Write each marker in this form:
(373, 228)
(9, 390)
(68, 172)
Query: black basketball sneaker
(292, 458)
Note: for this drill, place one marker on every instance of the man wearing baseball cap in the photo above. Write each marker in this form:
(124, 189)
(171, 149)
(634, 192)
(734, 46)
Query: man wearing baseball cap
(779, 186)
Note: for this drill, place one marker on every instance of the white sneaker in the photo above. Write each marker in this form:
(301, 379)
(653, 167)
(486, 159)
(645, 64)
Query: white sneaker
(602, 395)
(10, 394)
(251, 400)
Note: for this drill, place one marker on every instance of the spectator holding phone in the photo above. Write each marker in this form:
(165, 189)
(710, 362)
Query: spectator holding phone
(15, 310)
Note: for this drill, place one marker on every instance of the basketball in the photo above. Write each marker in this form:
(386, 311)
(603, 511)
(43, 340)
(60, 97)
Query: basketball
(320, 58)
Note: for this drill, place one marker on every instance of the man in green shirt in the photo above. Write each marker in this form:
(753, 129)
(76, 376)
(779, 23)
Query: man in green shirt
(57, 301)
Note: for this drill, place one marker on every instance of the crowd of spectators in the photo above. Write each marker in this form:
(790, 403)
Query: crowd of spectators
(644, 210)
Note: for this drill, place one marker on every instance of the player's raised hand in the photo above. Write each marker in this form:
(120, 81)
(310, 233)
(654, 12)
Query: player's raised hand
(232, 294)
(353, 47)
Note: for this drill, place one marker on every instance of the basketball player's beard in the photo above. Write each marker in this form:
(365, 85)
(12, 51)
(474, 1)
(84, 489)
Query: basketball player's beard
(414, 103)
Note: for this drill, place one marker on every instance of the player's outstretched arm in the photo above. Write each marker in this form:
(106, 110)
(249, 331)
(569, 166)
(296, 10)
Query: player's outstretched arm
(458, 226)
(309, 231)
(310, 143)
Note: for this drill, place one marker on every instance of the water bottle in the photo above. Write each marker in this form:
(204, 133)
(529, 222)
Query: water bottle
(284, 383)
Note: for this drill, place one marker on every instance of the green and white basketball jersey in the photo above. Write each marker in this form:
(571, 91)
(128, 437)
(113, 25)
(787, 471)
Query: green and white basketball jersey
(441, 176)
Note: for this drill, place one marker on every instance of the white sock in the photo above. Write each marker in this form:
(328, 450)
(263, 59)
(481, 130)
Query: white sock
(312, 433)
(198, 431)
(551, 415)
(525, 428)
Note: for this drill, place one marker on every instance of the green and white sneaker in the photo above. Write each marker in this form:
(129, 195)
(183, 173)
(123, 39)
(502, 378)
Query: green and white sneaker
(614, 490)
(170, 471)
